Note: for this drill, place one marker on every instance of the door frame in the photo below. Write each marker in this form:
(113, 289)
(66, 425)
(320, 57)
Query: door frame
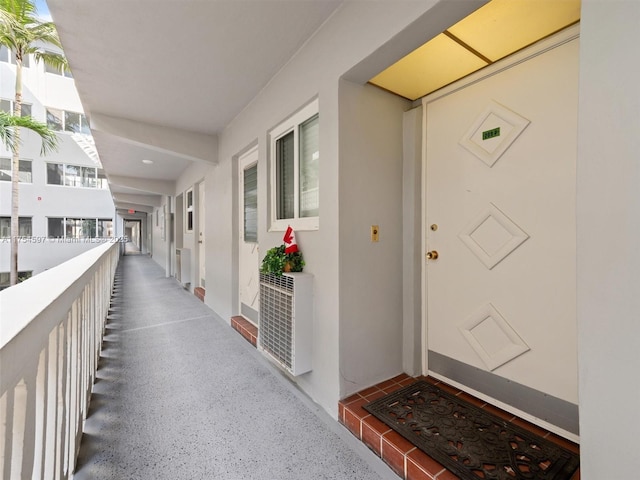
(246, 159)
(201, 243)
(567, 35)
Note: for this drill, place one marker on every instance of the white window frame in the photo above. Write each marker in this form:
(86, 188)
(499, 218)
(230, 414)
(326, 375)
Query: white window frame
(291, 124)
(97, 183)
(22, 105)
(97, 221)
(11, 169)
(84, 121)
(6, 233)
(188, 210)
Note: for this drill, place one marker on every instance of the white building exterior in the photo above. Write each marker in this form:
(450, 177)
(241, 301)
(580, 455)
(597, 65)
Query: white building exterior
(64, 198)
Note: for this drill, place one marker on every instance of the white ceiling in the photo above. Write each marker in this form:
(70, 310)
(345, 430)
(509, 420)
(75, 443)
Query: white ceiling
(191, 65)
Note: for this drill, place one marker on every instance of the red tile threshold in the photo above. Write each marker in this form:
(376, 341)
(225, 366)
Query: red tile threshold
(200, 293)
(245, 328)
(407, 461)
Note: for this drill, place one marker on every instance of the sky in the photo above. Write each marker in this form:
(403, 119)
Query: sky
(43, 10)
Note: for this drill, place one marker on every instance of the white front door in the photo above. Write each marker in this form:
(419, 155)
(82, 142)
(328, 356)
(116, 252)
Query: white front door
(249, 259)
(500, 213)
(201, 234)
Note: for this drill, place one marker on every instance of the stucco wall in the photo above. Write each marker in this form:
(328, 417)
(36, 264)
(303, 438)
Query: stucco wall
(608, 237)
(371, 273)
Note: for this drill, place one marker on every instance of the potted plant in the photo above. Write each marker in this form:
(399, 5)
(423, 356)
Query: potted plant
(277, 261)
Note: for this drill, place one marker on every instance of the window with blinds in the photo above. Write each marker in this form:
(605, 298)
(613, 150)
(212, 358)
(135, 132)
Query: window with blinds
(295, 190)
(251, 204)
(285, 176)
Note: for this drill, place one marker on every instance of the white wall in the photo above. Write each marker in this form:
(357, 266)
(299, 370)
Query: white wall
(371, 171)
(609, 239)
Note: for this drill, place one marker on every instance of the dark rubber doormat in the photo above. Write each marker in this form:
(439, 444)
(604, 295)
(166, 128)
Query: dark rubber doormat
(470, 442)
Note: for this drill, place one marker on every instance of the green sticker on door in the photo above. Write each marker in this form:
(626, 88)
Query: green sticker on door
(487, 134)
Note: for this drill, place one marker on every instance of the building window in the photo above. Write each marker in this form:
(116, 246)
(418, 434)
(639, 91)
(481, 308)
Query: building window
(250, 204)
(55, 174)
(75, 176)
(25, 109)
(24, 170)
(8, 56)
(5, 278)
(105, 228)
(102, 182)
(64, 121)
(76, 123)
(54, 119)
(7, 106)
(24, 227)
(78, 228)
(55, 227)
(295, 158)
(188, 204)
(57, 71)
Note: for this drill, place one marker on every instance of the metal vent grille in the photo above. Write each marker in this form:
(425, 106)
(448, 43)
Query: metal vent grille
(276, 317)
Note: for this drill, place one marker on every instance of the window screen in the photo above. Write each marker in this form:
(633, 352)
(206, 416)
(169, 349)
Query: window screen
(309, 160)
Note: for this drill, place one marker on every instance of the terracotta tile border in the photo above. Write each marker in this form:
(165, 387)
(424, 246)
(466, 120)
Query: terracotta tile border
(200, 293)
(248, 330)
(407, 461)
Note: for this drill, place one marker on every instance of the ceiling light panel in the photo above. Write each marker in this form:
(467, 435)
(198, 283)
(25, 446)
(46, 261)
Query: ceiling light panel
(502, 27)
(496, 30)
(434, 65)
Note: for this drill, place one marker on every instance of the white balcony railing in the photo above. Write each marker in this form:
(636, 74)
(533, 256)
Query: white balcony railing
(51, 329)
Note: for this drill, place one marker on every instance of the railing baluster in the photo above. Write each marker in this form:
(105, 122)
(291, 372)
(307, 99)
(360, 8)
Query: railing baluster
(48, 357)
(41, 414)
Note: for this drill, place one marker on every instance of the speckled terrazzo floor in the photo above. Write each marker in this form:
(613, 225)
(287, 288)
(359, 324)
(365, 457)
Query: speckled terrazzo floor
(180, 395)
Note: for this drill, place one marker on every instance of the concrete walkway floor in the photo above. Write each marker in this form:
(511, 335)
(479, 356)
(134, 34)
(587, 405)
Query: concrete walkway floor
(180, 395)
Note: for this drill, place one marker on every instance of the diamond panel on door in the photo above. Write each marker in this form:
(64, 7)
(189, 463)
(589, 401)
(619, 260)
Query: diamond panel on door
(494, 340)
(492, 236)
(493, 133)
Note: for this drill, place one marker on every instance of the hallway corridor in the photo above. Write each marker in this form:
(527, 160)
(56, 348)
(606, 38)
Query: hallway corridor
(180, 395)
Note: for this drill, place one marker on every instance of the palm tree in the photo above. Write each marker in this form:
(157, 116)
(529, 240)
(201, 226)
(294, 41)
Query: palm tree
(23, 33)
(8, 124)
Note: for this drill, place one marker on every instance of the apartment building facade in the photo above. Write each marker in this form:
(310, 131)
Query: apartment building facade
(65, 204)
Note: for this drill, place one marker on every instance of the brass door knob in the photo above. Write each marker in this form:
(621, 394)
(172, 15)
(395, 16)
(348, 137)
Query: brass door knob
(432, 255)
